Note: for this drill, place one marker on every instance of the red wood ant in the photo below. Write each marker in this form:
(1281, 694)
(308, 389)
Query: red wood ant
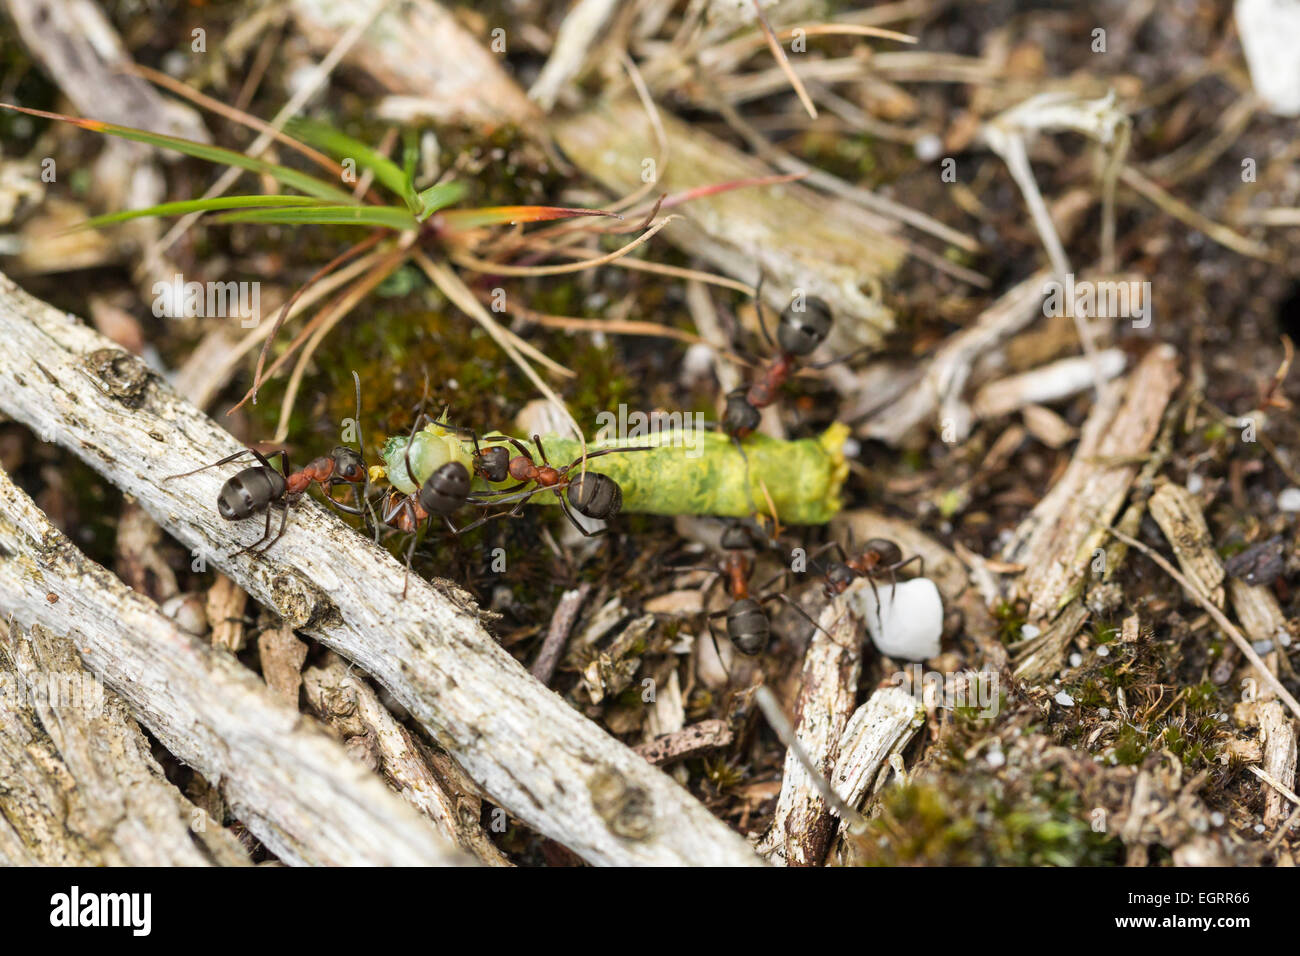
(261, 488)
(879, 557)
(748, 626)
(590, 493)
(799, 332)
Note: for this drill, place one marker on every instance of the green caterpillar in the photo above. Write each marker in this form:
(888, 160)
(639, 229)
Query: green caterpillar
(688, 472)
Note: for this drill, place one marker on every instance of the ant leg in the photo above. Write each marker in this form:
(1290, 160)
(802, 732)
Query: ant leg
(790, 602)
(574, 521)
(537, 440)
(880, 620)
(828, 546)
(284, 521)
(604, 451)
(917, 558)
(265, 534)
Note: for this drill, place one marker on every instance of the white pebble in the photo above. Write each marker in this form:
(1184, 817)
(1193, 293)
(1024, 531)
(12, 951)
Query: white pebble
(1195, 483)
(928, 148)
(996, 758)
(1103, 712)
(1270, 32)
(1262, 647)
(1030, 631)
(1216, 818)
(1076, 659)
(1103, 651)
(1258, 828)
(1064, 699)
(1289, 500)
(910, 619)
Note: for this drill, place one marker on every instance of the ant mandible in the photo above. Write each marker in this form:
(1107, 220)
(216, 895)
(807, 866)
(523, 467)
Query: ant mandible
(262, 489)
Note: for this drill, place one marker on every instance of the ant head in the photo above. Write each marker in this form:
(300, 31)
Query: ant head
(493, 463)
(736, 537)
(349, 466)
(739, 418)
(803, 329)
(838, 577)
(886, 551)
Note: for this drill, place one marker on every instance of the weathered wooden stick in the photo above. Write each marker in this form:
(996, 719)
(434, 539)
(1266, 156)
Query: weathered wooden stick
(524, 746)
(81, 787)
(802, 825)
(352, 709)
(287, 781)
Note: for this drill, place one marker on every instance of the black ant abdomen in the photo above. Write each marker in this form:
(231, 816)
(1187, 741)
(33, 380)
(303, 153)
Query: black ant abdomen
(595, 495)
(748, 626)
(446, 490)
(250, 491)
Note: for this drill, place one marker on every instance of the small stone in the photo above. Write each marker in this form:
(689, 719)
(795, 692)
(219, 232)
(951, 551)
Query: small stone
(908, 621)
(1216, 818)
(928, 148)
(1103, 712)
(1195, 483)
(1076, 659)
(996, 758)
(1289, 500)
(1064, 699)
(1030, 631)
(1103, 651)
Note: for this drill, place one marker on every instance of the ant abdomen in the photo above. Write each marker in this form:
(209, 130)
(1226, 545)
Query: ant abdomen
(446, 490)
(248, 492)
(800, 331)
(595, 495)
(748, 626)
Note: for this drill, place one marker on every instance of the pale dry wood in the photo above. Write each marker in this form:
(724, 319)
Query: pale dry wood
(524, 746)
(287, 781)
(417, 48)
(282, 655)
(798, 239)
(1179, 515)
(1256, 605)
(883, 725)
(1279, 739)
(1046, 384)
(352, 709)
(80, 785)
(1057, 541)
(83, 53)
(573, 42)
(938, 391)
(691, 741)
(802, 824)
(225, 608)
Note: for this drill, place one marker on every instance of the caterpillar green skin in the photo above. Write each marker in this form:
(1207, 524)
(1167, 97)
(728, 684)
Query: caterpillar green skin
(687, 473)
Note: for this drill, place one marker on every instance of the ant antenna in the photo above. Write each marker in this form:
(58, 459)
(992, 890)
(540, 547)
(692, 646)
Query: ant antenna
(361, 447)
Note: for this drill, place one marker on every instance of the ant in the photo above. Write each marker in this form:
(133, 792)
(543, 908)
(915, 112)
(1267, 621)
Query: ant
(590, 493)
(261, 488)
(879, 557)
(748, 626)
(798, 333)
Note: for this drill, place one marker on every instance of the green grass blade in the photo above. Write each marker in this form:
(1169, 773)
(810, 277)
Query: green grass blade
(213, 154)
(185, 207)
(341, 146)
(438, 196)
(385, 217)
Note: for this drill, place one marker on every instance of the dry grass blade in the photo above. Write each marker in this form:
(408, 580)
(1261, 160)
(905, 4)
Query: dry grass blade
(783, 62)
(465, 260)
(454, 288)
